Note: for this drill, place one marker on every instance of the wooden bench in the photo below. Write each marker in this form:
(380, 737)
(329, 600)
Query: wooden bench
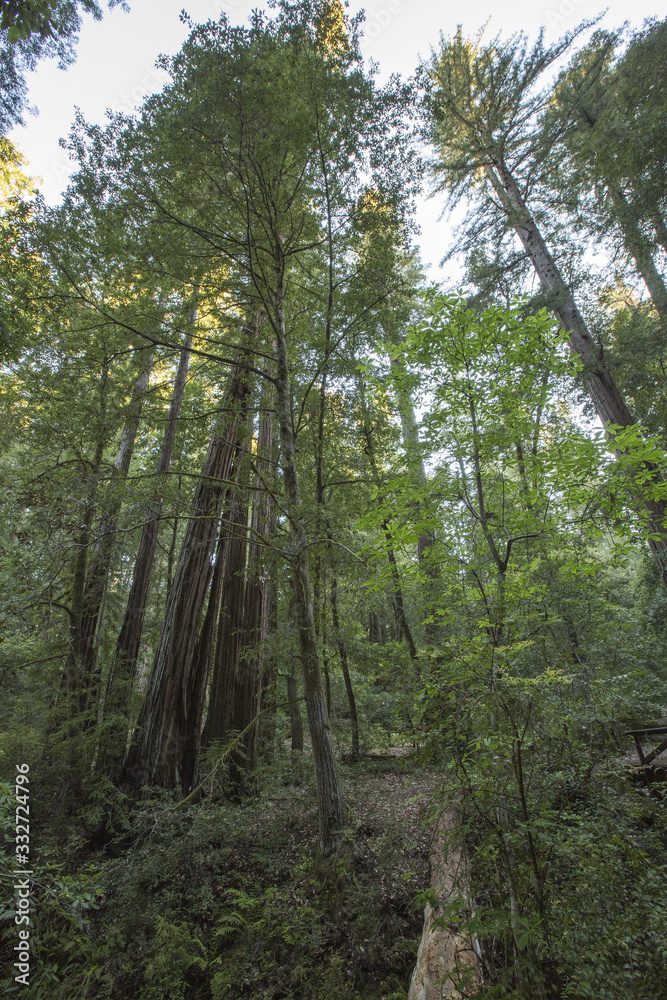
(649, 771)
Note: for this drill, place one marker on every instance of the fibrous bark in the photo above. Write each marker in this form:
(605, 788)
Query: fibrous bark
(166, 725)
(230, 622)
(129, 637)
(248, 681)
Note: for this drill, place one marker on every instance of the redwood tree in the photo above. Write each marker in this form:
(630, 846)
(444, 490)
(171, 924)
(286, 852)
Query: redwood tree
(161, 752)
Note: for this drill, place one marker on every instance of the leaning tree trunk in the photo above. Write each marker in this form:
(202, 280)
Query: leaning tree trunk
(165, 729)
(659, 226)
(98, 573)
(329, 799)
(129, 638)
(605, 395)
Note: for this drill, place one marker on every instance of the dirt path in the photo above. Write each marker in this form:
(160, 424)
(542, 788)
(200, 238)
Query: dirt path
(408, 799)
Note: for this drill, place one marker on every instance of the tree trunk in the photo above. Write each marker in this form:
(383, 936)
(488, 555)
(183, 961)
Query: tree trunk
(415, 460)
(129, 637)
(248, 685)
(230, 623)
(98, 573)
(166, 725)
(413, 455)
(608, 401)
(444, 953)
(342, 652)
(267, 733)
(296, 723)
(196, 694)
(73, 666)
(329, 800)
(660, 228)
(402, 626)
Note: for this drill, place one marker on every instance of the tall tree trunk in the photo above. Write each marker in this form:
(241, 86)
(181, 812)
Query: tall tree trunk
(230, 623)
(98, 573)
(166, 725)
(607, 399)
(415, 459)
(248, 683)
(413, 453)
(342, 652)
(296, 724)
(660, 228)
(270, 672)
(196, 693)
(73, 666)
(402, 624)
(329, 799)
(325, 655)
(129, 638)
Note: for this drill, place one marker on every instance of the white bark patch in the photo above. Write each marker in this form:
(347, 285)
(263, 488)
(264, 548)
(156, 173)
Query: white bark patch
(441, 951)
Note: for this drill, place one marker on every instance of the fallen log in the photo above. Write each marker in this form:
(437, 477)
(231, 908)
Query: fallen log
(447, 966)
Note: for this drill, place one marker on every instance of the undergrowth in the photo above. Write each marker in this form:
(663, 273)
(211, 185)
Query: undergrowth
(224, 902)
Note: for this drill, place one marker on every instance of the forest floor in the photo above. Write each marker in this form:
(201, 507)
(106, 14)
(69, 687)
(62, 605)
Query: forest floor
(226, 901)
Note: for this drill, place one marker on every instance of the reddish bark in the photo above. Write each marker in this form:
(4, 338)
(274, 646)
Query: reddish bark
(230, 623)
(163, 745)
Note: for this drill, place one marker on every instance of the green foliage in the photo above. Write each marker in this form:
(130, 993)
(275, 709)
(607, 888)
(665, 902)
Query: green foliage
(31, 30)
(226, 901)
(62, 904)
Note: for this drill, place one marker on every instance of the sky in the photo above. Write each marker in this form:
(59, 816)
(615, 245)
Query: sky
(115, 66)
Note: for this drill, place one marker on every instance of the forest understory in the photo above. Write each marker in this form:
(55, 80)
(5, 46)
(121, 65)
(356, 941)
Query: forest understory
(224, 900)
